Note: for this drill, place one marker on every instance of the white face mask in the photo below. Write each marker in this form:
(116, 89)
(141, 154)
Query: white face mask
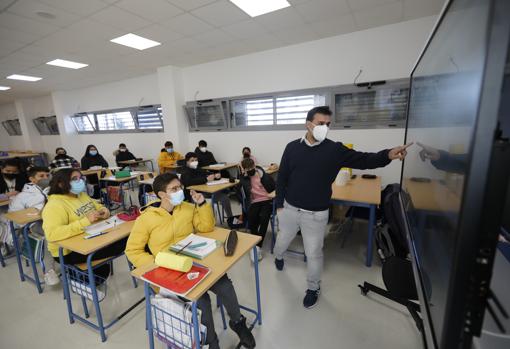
(193, 164)
(320, 132)
(203, 149)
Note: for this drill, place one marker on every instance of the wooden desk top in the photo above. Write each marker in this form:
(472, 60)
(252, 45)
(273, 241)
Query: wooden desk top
(359, 190)
(23, 217)
(219, 168)
(118, 180)
(432, 196)
(127, 162)
(4, 202)
(216, 261)
(97, 171)
(85, 247)
(211, 189)
(18, 155)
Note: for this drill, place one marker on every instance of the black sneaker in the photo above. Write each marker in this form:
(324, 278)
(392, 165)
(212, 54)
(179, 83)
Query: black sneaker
(311, 298)
(245, 335)
(279, 263)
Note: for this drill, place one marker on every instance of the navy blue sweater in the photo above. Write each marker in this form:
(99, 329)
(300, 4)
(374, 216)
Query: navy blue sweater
(306, 173)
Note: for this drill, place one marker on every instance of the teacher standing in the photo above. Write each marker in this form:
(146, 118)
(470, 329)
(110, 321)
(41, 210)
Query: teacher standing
(303, 192)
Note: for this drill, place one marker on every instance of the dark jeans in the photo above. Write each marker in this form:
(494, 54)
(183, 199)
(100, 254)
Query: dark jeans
(103, 271)
(224, 290)
(259, 214)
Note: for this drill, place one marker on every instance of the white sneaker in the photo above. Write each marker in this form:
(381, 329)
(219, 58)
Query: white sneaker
(51, 278)
(259, 255)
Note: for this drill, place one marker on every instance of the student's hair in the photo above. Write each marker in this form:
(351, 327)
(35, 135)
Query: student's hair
(32, 171)
(318, 110)
(246, 148)
(247, 163)
(88, 149)
(202, 143)
(122, 145)
(58, 149)
(189, 156)
(60, 182)
(162, 181)
(13, 163)
(169, 144)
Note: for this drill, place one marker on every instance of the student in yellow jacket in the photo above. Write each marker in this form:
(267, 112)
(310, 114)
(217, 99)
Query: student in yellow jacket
(168, 156)
(68, 211)
(170, 220)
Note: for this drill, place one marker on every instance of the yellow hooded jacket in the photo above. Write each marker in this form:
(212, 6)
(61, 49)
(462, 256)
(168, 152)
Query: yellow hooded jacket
(167, 159)
(158, 229)
(64, 216)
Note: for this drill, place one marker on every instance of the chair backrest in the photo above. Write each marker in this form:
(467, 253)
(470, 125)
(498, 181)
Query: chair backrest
(390, 204)
(146, 175)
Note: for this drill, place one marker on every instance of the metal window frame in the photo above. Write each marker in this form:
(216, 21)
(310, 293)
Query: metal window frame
(44, 120)
(224, 108)
(11, 129)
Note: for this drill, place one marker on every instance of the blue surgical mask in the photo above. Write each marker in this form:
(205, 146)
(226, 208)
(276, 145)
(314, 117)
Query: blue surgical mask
(77, 186)
(93, 152)
(176, 198)
(170, 150)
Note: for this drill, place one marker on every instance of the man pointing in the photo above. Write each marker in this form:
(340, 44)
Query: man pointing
(303, 192)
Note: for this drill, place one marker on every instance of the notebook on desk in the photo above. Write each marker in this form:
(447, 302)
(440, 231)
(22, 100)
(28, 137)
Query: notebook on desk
(220, 164)
(195, 246)
(177, 282)
(100, 227)
(219, 181)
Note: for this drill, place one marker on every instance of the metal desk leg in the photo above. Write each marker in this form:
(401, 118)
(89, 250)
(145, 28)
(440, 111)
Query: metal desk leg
(148, 319)
(273, 226)
(15, 241)
(152, 165)
(196, 324)
(370, 242)
(65, 285)
(26, 228)
(95, 300)
(257, 284)
(2, 262)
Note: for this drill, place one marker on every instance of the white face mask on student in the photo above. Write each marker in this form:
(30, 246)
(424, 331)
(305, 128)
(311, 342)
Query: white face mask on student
(203, 149)
(193, 164)
(320, 132)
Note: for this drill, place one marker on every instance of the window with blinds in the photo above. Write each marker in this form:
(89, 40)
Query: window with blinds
(114, 121)
(12, 127)
(150, 118)
(84, 122)
(46, 125)
(204, 115)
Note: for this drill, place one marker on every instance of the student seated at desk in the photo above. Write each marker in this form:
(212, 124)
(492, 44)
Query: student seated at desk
(168, 157)
(257, 185)
(205, 157)
(247, 155)
(68, 211)
(160, 227)
(92, 158)
(34, 193)
(63, 160)
(123, 154)
(192, 175)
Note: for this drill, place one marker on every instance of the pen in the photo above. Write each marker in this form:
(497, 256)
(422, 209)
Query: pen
(182, 249)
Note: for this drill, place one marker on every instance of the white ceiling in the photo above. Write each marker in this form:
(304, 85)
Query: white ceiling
(191, 32)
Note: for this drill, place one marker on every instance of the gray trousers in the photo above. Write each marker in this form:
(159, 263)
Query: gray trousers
(223, 198)
(313, 227)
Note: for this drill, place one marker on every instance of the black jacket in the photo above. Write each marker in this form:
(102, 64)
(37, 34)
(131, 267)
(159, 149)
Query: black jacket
(124, 156)
(205, 159)
(191, 177)
(90, 161)
(18, 186)
(267, 182)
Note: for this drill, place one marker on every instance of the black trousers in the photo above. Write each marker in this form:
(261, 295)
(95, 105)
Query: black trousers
(103, 271)
(259, 214)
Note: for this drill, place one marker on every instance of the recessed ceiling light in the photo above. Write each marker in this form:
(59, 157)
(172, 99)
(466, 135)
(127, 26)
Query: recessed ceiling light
(4, 88)
(23, 77)
(135, 41)
(260, 7)
(67, 64)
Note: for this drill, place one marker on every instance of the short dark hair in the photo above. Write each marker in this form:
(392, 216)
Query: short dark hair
(162, 181)
(189, 156)
(318, 110)
(122, 145)
(202, 143)
(61, 181)
(13, 163)
(247, 163)
(60, 148)
(32, 171)
(246, 148)
(168, 144)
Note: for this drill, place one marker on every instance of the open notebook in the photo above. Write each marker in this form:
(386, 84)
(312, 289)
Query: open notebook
(100, 227)
(219, 181)
(196, 246)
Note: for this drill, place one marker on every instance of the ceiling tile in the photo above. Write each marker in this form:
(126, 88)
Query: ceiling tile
(321, 10)
(220, 13)
(7, 47)
(297, 2)
(79, 7)
(189, 5)
(94, 30)
(118, 18)
(154, 11)
(356, 5)
(294, 35)
(185, 45)
(333, 27)
(264, 42)
(246, 29)
(418, 8)
(281, 19)
(18, 36)
(159, 33)
(379, 15)
(187, 24)
(21, 60)
(214, 37)
(29, 9)
(23, 24)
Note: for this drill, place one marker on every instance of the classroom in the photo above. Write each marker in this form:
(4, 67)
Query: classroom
(268, 174)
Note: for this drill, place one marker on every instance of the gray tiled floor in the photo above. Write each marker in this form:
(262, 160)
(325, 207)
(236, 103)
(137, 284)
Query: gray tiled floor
(343, 318)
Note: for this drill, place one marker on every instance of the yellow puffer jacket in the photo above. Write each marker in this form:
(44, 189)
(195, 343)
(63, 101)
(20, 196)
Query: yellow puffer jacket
(167, 159)
(159, 229)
